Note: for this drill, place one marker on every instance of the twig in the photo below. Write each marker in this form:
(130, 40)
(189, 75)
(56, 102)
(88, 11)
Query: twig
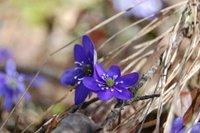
(120, 105)
(139, 98)
(146, 76)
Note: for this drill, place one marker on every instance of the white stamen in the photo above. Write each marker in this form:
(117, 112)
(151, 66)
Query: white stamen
(79, 63)
(79, 82)
(103, 77)
(80, 79)
(119, 91)
(121, 82)
(97, 81)
(115, 76)
(100, 85)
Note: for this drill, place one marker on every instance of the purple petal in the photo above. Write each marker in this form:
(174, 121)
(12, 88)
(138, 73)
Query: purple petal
(88, 46)
(196, 128)
(21, 77)
(15, 96)
(2, 90)
(114, 70)
(123, 95)
(2, 77)
(141, 10)
(81, 93)
(8, 102)
(21, 86)
(96, 76)
(27, 96)
(69, 76)
(5, 54)
(128, 80)
(10, 67)
(182, 131)
(177, 125)
(2, 83)
(105, 95)
(100, 70)
(91, 84)
(79, 54)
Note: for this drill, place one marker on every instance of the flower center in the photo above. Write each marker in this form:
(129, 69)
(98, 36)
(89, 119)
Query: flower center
(110, 82)
(12, 82)
(87, 70)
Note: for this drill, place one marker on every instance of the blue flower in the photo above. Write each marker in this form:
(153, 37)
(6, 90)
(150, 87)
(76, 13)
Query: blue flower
(146, 8)
(12, 85)
(84, 58)
(5, 54)
(196, 128)
(177, 125)
(111, 84)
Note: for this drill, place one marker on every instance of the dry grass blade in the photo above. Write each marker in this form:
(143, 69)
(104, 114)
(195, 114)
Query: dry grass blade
(168, 60)
(140, 21)
(98, 26)
(193, 43)
(152, 25)
(139, 52)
